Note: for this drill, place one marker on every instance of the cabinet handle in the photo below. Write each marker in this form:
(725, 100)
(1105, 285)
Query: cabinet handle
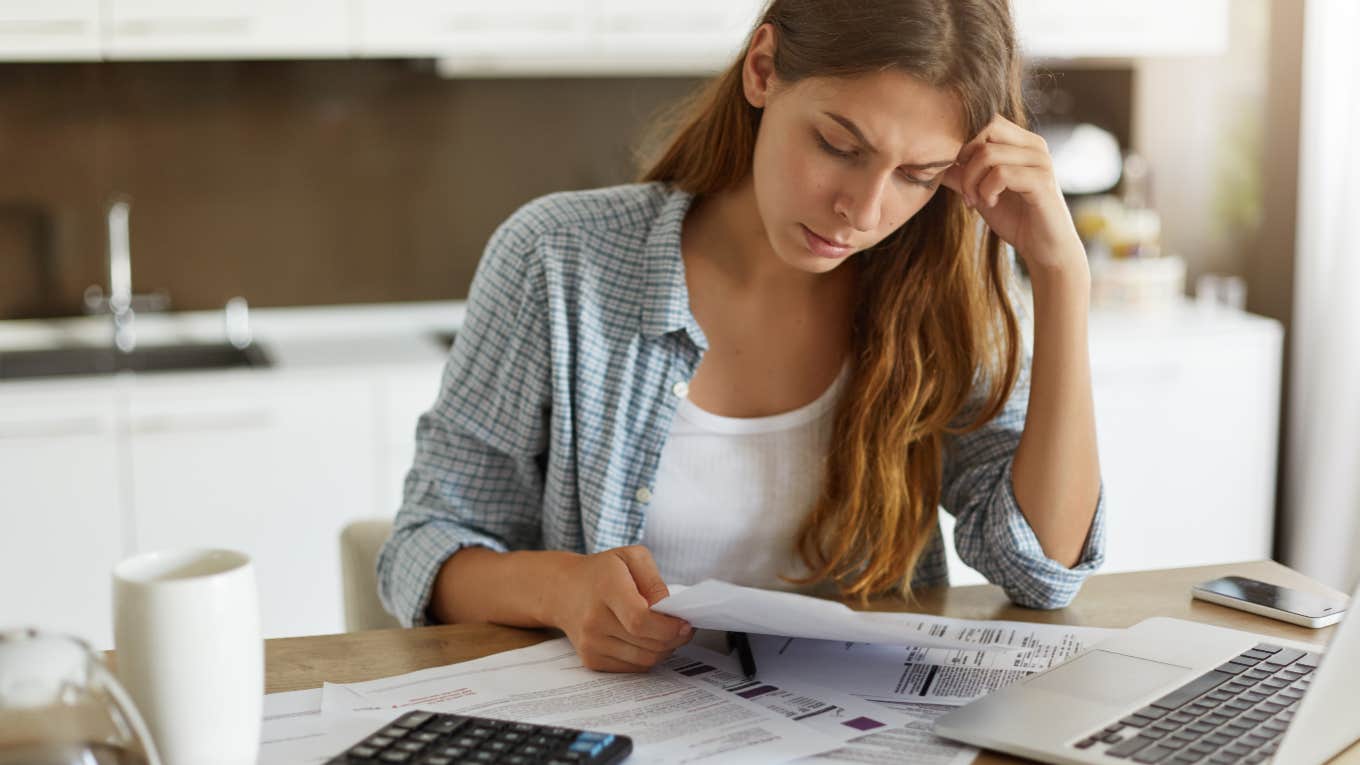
(45, 28)
(67, 428)
(256, 419)
(154, 27)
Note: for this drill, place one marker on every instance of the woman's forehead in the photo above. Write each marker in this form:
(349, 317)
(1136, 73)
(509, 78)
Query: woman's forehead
(892, 110)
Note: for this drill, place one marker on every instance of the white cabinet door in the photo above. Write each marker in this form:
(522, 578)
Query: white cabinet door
(705, 34)
(271, 467)
(52, 30)
(155, 29)
(1120, 29)
(472, 30)
(1187, 409)
(406, 395)
(1187, 429)
(62, 512)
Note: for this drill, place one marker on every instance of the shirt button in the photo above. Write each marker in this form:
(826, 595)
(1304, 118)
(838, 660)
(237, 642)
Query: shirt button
(680, 389)
(644, 495)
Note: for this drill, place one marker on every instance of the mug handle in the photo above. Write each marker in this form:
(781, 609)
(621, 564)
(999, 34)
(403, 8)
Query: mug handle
(127, 709)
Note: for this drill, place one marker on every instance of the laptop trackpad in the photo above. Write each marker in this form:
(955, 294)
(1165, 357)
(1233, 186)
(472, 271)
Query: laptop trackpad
(1110, 678)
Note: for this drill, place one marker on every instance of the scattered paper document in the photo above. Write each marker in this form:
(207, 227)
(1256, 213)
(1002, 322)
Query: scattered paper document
(670, 717)
(841, 716)
(722, 606)
(925, 675)
(293, 731)
(914, 743)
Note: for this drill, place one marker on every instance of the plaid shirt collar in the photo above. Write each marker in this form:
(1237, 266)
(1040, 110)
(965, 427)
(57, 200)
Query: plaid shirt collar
(665, 300)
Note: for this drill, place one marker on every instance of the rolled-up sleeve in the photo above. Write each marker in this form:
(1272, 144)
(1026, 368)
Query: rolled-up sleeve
(991, 534)
(477, 476)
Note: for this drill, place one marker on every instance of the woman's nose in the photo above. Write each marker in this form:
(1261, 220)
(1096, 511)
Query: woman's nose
(861, 205)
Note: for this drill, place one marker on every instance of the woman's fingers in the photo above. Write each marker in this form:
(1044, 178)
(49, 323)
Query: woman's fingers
(1026, 181)
(602, 652)
(609, 664)
(988, 157)
(1002, 130)
(632, 593)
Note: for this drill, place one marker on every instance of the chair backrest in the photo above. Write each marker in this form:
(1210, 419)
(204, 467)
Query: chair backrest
(360, 542)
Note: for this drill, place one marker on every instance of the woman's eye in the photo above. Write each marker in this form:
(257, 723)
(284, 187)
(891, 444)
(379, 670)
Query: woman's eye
(928, 183)
(829, 149)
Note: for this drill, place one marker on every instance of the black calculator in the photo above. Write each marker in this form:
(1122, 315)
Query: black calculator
(436, 738)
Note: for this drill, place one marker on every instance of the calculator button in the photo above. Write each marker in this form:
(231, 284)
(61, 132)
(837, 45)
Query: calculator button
(445, 727)
(413, 720)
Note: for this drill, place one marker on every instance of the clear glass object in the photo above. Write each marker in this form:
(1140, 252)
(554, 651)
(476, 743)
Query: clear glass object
(59, 705)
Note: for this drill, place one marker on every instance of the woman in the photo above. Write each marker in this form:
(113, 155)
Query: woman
(771, 361)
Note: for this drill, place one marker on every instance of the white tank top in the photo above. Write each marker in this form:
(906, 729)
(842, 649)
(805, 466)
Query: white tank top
(731, 493)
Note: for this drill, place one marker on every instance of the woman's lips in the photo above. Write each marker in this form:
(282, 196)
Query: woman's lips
(823, 248)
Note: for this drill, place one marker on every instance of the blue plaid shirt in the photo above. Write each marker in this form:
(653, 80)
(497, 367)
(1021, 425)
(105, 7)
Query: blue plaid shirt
(559, 392)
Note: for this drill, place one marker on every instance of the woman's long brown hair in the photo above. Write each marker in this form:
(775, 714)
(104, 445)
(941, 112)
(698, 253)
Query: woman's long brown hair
(936, 346)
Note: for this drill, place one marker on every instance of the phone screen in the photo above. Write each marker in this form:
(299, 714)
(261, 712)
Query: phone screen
(1252, 591)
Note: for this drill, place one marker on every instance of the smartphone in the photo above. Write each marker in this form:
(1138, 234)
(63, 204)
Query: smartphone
(1294, 606)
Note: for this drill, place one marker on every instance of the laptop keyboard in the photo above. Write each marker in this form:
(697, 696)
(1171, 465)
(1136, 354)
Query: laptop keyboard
(1235, 713)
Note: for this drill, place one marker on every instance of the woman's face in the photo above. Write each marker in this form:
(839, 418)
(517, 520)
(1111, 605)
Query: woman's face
(841, 163)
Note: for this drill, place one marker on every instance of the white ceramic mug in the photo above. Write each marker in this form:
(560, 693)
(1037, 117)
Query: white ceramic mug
(187, 635)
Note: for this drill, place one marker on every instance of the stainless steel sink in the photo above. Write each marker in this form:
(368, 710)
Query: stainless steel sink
(63, 362)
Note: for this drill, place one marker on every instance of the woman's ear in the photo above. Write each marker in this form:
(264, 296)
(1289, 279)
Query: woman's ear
(757, 69)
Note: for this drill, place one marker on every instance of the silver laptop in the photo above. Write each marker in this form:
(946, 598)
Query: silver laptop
(1174, 691)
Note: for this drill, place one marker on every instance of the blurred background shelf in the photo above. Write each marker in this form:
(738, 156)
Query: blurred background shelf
(539, 37)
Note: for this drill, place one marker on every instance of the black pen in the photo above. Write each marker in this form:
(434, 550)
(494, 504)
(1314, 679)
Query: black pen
(739, 641)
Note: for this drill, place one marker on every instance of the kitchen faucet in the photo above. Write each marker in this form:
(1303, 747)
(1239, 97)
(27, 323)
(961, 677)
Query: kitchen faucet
(121, 302)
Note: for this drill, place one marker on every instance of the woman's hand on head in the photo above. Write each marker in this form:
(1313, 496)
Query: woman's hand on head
(603, 603)
(1006, 174)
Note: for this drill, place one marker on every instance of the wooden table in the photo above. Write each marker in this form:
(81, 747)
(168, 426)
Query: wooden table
(1109, 600)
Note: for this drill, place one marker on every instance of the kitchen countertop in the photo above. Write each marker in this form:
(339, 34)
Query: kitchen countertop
(325, 339)
(298, 340)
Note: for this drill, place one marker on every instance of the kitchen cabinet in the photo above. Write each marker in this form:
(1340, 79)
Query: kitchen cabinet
(173, 29)
(271, 468)
(63, 512)
(53, 30)
(472, 30)
(405, 395)
(1119, 29)
(700, 34)
(1187, 424)
(534, 37)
